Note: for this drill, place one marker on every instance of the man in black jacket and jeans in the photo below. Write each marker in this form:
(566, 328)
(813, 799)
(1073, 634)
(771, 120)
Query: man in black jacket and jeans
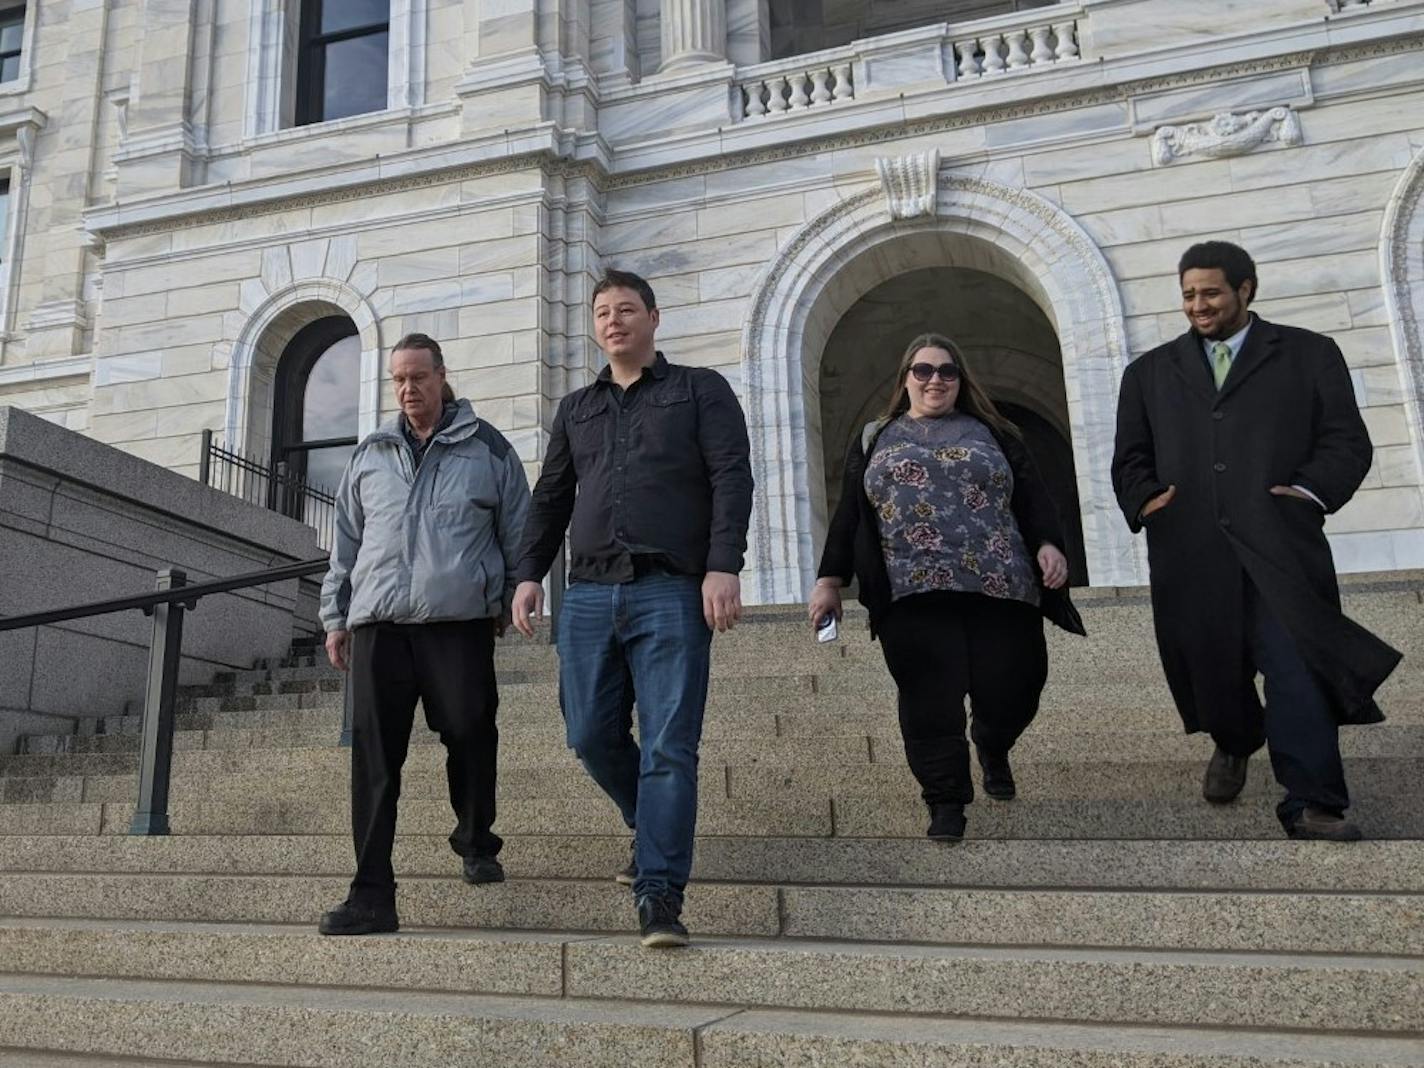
(652, 463)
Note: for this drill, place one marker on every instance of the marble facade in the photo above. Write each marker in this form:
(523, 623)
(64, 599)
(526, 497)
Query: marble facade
(169, 230)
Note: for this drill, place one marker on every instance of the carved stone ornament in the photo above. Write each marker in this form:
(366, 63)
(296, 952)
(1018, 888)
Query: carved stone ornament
(910, 183)
(1226, 135)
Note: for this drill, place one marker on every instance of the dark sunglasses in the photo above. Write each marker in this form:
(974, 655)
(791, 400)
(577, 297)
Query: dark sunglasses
(923, 372)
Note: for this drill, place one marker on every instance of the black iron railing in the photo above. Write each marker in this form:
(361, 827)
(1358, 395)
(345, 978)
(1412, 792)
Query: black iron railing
(274, 487)
(167, 606)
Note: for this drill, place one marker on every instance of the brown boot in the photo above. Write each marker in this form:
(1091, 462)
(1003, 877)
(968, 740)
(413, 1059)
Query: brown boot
(1316, 824)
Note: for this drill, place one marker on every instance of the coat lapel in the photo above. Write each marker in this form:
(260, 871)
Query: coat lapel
(1191, 366)
(1262, 343)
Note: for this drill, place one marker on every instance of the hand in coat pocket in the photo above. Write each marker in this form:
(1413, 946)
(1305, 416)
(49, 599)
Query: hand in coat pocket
(1157, 503)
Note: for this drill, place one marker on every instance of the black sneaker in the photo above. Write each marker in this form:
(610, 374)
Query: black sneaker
(628, 874)
(349, 918)
(659, 923)
(480, 869)
(947, 822)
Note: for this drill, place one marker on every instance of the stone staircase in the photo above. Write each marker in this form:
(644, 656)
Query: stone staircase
(1108, 918)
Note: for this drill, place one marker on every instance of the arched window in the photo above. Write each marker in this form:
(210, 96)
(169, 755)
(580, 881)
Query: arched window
(314, 424)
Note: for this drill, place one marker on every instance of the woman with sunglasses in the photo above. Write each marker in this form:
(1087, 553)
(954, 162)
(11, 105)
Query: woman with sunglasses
(958, 550)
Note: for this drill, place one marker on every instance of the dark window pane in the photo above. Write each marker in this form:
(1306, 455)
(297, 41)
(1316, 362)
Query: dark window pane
(330, 401)
(4, 219)
(325, 467)
(338, 15)
(11, 34)
(355, 76)
(10, 69)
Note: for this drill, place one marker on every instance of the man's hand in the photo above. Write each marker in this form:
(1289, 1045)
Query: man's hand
(1054, 566)
(338, 649)
(721, 600)
(501, 625)
(1159, 502)
(527, 607)
(1291, 491)
(825, 601)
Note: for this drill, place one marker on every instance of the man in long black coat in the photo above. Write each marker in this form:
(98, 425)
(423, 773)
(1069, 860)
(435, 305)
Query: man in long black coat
(1233, 443)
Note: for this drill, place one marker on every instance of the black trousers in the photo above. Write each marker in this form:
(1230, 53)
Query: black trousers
(1298, 725)
(450, 668)
(943, 647)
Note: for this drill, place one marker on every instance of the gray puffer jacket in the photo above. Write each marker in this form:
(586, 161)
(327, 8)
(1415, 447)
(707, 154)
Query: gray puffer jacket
(430, 544)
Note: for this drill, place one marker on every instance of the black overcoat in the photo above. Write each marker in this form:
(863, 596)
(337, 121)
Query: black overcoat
(1285, 415)
(853, 539)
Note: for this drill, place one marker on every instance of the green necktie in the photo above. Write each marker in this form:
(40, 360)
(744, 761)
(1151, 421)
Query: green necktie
(1220, 361)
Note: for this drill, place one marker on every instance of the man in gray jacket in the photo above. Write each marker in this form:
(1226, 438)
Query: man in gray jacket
(422, 574)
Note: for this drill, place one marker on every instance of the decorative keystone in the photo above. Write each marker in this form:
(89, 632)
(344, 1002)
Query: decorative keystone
(911, 183)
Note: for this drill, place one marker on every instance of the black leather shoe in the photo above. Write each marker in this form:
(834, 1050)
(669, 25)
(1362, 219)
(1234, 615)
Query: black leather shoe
(1224, 778)
(479, 869)
(659, 922)
(353, 919)
(1316, 824)
(947, 822)
(998, 776)
(627, 875)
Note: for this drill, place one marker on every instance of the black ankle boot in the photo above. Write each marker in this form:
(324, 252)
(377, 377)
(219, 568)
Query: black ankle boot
(947, 822)
(998, 776)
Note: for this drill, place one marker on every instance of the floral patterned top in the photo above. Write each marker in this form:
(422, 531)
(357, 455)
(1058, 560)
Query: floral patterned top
(941, 489)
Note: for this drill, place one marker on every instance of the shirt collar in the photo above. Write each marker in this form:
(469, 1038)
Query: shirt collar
(1234, 342)
(658, 369)
(447, 416)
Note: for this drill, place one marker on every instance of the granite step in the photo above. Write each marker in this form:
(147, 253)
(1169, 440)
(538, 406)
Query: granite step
(15, 1058)
(1389, 809)
(1173, 988)
(234, 1024)
(328, 781)
(1273, 864)
(790, 817)
(1293, 922)
(799, 753)
(328, 1028)
(538, 751)
(1073, 736)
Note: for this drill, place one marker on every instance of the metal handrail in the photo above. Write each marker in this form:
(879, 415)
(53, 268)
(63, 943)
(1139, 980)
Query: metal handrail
(146, 602)
(167, 606)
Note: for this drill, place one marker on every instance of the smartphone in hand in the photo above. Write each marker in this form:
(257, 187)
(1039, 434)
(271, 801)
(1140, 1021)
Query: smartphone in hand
(826, 629)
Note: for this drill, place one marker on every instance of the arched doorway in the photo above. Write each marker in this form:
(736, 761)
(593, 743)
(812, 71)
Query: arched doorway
(256, 417)
(854, 246)
(315, 418)
(1014, 352)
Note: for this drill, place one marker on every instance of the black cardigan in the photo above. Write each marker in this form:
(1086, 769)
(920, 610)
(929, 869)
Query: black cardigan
(853, 540)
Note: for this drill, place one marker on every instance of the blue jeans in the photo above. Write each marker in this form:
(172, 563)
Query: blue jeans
(646, 639)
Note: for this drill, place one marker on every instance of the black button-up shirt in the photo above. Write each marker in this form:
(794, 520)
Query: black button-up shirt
(659, 472)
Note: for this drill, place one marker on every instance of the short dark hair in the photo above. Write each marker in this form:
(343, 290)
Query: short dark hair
(1231, 260)
(421, 342)
(616, 279)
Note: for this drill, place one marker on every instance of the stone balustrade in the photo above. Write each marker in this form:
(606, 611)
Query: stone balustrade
(796, 89)
(985, 48)
(1038, 44)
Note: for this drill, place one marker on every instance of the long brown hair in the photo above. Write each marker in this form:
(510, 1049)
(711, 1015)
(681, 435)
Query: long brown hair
(972, 399)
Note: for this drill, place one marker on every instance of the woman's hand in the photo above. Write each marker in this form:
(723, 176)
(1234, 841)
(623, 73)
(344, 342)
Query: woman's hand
(825, 600)
(1054, 566)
